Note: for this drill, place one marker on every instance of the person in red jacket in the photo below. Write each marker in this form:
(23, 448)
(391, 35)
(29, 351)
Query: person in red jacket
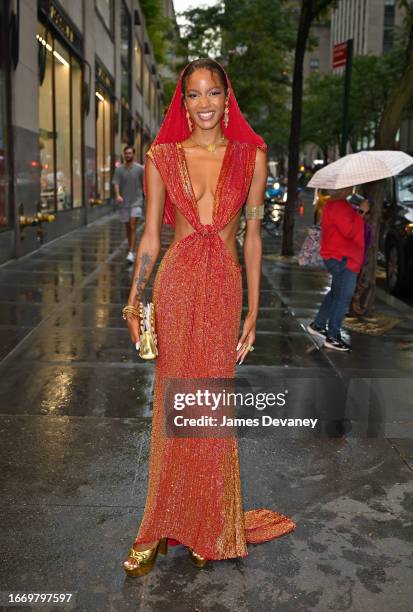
(342, 249)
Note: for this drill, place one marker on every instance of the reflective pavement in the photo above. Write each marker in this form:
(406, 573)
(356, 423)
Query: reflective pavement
(75, 422)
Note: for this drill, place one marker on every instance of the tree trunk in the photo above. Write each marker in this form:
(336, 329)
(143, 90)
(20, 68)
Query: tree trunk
(295, 127)
(364, 296)
(310, 10)
(365, 292)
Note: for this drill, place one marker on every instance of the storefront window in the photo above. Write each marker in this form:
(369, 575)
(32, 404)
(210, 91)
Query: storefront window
(60, 127)
(104, 127)
(77, 135)
(62, 109)
(46, 135)
(4, 178)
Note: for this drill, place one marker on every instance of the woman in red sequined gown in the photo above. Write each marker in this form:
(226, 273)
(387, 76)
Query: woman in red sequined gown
(194, 494)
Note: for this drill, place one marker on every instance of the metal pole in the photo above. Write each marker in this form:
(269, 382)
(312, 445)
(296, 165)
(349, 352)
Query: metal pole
(346, 99)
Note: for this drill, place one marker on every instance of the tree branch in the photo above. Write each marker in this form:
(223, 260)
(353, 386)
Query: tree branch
(319, 7)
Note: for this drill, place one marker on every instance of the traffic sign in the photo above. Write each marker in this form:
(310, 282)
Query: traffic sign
(340, 55)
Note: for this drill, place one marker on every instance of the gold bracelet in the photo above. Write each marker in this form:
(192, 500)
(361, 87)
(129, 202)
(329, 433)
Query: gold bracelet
(129, 309)
(254, 212)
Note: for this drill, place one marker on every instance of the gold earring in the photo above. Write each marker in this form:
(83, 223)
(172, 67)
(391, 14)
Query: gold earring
(188, 118)
(226, 113)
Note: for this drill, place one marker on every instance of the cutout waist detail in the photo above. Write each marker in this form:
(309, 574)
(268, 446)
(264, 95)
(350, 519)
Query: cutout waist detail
(207, 230)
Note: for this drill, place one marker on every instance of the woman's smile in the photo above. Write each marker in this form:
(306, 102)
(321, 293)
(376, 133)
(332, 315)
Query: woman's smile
(206, 115)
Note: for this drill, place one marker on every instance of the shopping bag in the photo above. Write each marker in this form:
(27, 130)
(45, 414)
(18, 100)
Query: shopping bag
(309, 255)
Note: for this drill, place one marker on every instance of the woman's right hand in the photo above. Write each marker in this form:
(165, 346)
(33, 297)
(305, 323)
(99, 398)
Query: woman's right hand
(133, 327)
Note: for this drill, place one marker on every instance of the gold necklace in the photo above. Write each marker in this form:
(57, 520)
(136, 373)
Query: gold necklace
(211, 147)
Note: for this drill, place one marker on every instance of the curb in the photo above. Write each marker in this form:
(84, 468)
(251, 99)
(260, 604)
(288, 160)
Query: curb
(394, 302)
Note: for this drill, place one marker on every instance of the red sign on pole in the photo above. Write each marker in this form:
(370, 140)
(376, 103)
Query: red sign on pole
(340, 55)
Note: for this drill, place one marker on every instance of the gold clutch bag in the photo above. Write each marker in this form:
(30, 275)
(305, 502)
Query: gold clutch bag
(148, 341)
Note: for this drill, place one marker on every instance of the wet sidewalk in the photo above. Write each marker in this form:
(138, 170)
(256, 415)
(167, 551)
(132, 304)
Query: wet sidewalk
(75, 424)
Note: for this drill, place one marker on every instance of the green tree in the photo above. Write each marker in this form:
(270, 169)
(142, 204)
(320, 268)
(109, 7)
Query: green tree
(201, 34)
(158, 26)
(322, 107)
(373, 81)
(253, 39)
(257, 42)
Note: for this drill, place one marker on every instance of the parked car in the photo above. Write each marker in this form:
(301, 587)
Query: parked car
(396, 233)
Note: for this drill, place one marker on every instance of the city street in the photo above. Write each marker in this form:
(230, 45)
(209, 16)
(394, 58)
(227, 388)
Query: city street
(75, 425)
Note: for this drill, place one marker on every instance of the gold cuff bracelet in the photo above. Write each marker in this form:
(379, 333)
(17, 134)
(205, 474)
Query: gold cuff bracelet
(254, 212)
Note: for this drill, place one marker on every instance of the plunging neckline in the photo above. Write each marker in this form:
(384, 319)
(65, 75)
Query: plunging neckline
(189, 182)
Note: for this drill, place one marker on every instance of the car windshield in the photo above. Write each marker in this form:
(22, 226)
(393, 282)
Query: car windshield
(405, 189)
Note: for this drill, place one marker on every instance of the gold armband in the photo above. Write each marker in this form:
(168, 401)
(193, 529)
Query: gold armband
(254, 212)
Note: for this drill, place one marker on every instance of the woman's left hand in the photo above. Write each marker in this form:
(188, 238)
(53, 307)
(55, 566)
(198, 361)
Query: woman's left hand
(247, 338)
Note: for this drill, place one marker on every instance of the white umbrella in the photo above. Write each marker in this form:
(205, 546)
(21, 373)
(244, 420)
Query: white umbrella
(359, 168)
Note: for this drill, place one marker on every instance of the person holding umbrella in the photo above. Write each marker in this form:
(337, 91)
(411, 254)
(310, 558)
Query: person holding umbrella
(343, 233)
(342, 249)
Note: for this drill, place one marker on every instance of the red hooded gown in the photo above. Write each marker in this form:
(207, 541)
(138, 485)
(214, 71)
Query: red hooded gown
(194, 491)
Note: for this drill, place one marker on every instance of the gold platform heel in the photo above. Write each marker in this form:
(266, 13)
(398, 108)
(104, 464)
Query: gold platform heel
(145, 558)
(197, 559)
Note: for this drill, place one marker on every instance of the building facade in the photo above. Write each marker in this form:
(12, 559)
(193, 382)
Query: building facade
(318, 57)
(78, 81)
(372, 24)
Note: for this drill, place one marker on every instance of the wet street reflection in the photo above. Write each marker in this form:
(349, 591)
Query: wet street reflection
(75, 415)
